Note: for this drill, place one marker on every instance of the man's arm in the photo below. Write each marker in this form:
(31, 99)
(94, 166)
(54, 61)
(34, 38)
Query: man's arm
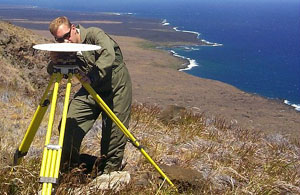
(104, 57)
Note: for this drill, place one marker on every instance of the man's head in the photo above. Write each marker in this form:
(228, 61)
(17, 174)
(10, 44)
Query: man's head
(63, 31)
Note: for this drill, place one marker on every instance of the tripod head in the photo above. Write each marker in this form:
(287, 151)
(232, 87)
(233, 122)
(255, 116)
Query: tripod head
(65, 62)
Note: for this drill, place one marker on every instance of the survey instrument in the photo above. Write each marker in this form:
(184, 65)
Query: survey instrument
(65, 68)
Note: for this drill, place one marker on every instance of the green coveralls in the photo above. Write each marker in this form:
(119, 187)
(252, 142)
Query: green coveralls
(111, 80)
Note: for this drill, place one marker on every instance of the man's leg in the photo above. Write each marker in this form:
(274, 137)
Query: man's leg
(113, 140)
(82, 113)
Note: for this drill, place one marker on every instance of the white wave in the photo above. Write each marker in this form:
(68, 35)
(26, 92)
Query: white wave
(211, 44)
(115, 13)
(188, 48)
(187, 31)
(118, 13)
(296, 106)
(165, 23)
(192, 62)
(207, 43)
(194, 49)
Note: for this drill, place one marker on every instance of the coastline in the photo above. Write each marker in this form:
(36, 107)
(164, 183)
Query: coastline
(190, 63)
(157, 81)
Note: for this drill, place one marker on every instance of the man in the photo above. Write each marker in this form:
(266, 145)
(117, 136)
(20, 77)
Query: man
(105, 70)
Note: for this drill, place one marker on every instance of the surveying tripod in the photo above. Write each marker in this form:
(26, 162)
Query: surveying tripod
(50, 166)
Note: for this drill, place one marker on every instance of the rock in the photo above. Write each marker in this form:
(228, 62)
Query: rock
(115, 181)
(184, 178)
(172, 113)
(4, 37)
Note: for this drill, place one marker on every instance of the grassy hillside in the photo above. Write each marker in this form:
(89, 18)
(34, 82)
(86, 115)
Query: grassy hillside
(201, 155)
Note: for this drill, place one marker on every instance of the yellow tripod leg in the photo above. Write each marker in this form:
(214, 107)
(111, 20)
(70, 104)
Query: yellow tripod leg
(48, 149)
(34, 125)
(63, 125)
(122, 127)
(52, 175)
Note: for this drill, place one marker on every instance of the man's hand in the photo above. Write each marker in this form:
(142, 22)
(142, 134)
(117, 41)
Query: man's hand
(84, 78)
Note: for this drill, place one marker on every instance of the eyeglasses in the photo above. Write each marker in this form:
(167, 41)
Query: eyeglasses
(65, 36)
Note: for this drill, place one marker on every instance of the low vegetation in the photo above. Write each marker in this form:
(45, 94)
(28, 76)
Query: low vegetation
(200, 155)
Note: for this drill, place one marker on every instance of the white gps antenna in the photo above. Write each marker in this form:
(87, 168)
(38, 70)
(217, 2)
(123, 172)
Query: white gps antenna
(66, 47)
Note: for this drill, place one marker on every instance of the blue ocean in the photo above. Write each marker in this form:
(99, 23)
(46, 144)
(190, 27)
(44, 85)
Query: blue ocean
(257, 42)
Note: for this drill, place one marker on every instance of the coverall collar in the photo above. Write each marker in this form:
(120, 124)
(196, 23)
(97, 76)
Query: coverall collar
(82, 33)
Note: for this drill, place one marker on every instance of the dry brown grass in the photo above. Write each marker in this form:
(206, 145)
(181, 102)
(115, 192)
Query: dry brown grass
(229, 160)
